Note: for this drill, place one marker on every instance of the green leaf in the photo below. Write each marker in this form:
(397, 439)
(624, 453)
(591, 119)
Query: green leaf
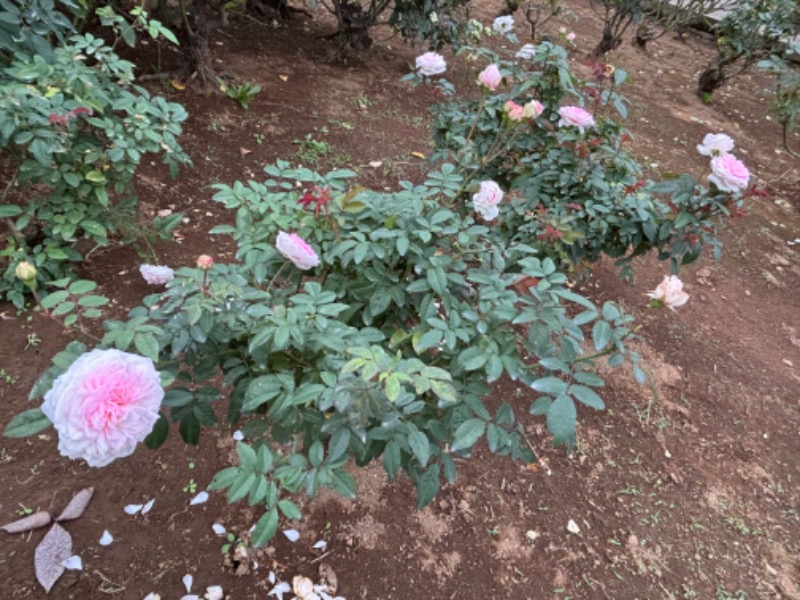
(29, 422)
(147, 345)
(391, 459)
(550, 385)
(601, 335)
(95, 176)
(316, 454)
(428, 486)
(587, 396)
(290, 510)
(343, 483)
(467, 434)
(82, 286)
(241, 486)
(420, 446)
(266, 528)
(562, 420)
(190, 429)
(437, 280)
(246, 454)
(160, 431)
(472, 359)
(11, 210)
(92, 301)
(54, 298)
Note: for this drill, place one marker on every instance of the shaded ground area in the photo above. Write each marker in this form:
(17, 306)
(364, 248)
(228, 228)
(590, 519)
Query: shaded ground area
(685, 487)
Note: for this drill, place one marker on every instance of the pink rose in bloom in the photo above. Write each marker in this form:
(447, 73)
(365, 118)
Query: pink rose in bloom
(430, 64)
(103, 405)
(728, 173)
(576, 116)
(669, 293)
(205, 262)
(714, 144)
(156, 274)
(515, 111)
(490, 77)
(571, 36)
(293, 247)
(487, 199)
(533, 109)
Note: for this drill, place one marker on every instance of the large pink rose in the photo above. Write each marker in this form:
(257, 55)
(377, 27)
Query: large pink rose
(490, 77)
(728, 173)
(105, 404)
(487, 199)
(576, 116)
(431, 63)
(670, 293)
(293, 247)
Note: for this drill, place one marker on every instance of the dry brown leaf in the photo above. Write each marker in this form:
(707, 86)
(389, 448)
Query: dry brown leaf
(39, 519)
(283, 77)
(77, 505)
(178, 85)
(328, 577)
(244, 152)
(419, 155)
(52, 551)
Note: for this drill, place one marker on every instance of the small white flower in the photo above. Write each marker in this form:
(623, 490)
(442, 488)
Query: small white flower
(504, 24)
(106, 539)
(434, 18)
(74, 563)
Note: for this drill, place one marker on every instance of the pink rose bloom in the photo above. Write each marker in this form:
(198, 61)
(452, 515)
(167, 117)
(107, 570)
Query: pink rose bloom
(293, 247)
(571, 36)
(533, 109)
(669, 293)
(490, 77)
(205, 262)
(487, 199)
(515, 111)
(729, 173)
(103, 405)
(714, 144)
(431, 63)
(156, 274)
(576, 116)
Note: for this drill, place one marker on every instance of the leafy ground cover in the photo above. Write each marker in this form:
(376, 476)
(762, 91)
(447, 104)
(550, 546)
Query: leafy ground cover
(684, 488)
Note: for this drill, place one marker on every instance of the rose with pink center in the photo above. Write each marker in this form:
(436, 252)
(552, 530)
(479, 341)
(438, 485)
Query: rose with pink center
(728, 173)
(575, 116)
(515, 111)
(295, 248)
(533, 109)
(669, 293)
(104, 405)
(490, 77)
(205, 262)
(487, 199)
(430, 64)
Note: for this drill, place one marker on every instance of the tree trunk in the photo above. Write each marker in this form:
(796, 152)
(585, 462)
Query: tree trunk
(198, 53)
(713, 76)
(607, 44)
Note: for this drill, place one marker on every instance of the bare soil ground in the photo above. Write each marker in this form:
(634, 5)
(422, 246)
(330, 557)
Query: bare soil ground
(685, 487)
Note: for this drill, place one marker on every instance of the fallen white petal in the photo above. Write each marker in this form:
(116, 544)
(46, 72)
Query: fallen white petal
(199, 499)
(271, 577)
(132, 509)
(187, 582)
(190, 597)
(146, 508)
(238, 435)
(152, 596)
(106, 539)
(292, 534)
(279, 590)
(320, 545)
(218, 529)
(214, 593)
(74, 562)
(572, 527)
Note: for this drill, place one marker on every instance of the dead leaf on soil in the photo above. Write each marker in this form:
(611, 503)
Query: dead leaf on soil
(52, 551)
(34, 521)
(244, 152)
(77, 505)
(283, 77)
(178, 85)
(418, 155)
(328, 577)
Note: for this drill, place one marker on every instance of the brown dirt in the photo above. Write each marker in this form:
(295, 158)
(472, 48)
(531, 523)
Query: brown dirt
(684, 488)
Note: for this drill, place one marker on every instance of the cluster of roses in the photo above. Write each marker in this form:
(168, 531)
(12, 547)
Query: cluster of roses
(728, 173)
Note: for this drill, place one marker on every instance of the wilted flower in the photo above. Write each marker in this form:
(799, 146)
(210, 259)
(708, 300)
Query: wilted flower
(527, 52)
(156, 274)
(728, 173)
(431, 63)
(504, 24)
(576, 116)
(715, 144)
(669, 293)
(303, 588)
(515, 111)
(487, 199)
(533, 109)
(103, 405)
(205, 262)
(490, 77)
(293, 247)
(26, 273)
